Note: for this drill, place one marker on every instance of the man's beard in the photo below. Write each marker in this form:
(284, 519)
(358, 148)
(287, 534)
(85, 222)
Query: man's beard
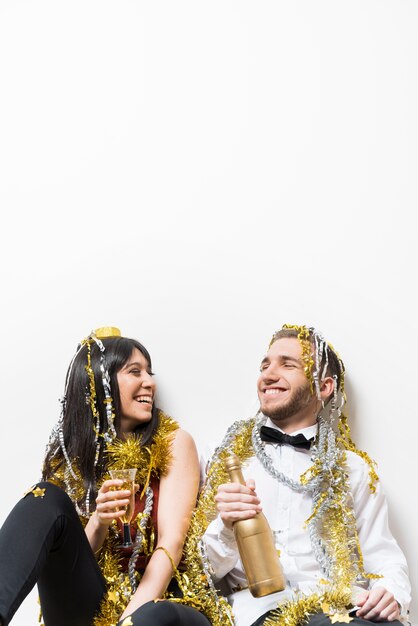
(299, 399)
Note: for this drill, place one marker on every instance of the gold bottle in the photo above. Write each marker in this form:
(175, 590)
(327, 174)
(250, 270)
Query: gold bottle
(254, 537)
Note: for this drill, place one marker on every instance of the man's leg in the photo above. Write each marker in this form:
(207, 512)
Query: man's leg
(319, 619)
(323, 620)
(42, 541)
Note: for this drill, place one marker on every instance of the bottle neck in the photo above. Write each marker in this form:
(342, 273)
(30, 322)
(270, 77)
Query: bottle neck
(235, 475)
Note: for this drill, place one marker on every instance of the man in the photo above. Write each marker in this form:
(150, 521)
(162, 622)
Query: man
(319, 493)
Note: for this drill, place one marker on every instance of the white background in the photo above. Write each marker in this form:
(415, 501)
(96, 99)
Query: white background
(199, 173)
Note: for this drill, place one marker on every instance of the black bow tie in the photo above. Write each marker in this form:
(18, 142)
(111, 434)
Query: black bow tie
(276, 436)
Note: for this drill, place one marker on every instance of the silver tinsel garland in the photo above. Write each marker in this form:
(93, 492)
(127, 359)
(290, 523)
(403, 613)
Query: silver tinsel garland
(139, 539)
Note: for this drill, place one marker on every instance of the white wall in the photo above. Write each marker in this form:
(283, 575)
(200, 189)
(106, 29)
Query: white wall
(198, 173)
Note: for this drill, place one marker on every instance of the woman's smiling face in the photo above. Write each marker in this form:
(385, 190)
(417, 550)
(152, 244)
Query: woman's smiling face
(137, 392)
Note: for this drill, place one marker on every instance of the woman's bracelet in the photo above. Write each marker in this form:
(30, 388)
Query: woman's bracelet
(170, 558)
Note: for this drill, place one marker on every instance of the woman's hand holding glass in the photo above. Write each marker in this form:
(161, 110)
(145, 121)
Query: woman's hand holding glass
(112, 502)
(127, 476)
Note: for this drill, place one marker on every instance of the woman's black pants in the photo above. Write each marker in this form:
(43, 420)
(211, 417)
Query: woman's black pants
(42, 541)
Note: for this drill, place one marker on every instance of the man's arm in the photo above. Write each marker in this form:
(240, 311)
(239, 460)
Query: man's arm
(387, 598)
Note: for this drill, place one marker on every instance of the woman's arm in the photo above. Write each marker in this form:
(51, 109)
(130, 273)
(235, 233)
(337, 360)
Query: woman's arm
(177, 499)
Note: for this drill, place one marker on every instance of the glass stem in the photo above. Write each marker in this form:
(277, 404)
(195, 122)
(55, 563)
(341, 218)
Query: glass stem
(126, 535)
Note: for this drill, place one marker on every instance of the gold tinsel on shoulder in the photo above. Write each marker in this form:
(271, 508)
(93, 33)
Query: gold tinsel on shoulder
(217, 474)
(349, 444)
(197, 588)
(154, 459)
(57, 478)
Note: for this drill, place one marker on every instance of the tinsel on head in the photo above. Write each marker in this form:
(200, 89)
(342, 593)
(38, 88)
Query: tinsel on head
(316, 355)
(56, 446)
(320, 359)
(109, 432)
(303, 334)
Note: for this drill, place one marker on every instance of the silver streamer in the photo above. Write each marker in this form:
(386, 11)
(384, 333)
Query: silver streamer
(267, 462)
(97, 427)
(208, 571)
(326, 448)
(230, 435)
(139, 539)
(108, 436)
(64, 450)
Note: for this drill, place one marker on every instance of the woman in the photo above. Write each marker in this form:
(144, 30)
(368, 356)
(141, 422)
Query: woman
(108, 421)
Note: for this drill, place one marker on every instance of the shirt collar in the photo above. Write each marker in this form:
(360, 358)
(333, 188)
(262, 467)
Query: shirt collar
(309, 431)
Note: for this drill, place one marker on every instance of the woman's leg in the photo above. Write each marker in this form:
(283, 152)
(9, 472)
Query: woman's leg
(165, 613)
(42, 541)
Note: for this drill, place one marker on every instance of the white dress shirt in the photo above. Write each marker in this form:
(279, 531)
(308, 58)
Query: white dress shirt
(286, 511)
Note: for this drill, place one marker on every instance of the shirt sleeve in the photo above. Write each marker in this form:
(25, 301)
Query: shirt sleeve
(221, 547)
(381, 553)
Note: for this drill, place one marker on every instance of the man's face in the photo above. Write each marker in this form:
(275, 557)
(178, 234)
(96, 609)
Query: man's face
(283, 389)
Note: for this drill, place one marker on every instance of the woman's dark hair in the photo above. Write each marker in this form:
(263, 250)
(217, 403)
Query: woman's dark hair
(78, 424)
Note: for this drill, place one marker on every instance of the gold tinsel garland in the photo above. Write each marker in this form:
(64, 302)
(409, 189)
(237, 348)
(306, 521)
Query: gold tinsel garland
(349, 444)
(154, 459)
(196, 589)
(304, 341)
(298, 611)
(338, 532)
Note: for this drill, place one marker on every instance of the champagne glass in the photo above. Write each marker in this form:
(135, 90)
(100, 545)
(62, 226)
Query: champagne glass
(128, 477)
